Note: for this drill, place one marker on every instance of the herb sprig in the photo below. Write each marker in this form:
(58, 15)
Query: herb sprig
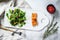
(51, 29)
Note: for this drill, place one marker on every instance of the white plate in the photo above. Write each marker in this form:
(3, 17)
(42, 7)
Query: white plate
(41, 16)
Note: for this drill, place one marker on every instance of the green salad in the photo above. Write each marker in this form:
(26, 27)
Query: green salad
(16, 17)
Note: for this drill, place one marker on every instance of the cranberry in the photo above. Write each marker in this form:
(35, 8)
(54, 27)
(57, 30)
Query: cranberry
(51, 9)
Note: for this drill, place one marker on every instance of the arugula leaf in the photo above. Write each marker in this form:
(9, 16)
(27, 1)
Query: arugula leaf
(16, 17)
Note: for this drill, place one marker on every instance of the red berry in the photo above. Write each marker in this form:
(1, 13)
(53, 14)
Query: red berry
(51, 9)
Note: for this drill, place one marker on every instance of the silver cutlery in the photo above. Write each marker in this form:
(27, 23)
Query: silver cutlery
(15, 3)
